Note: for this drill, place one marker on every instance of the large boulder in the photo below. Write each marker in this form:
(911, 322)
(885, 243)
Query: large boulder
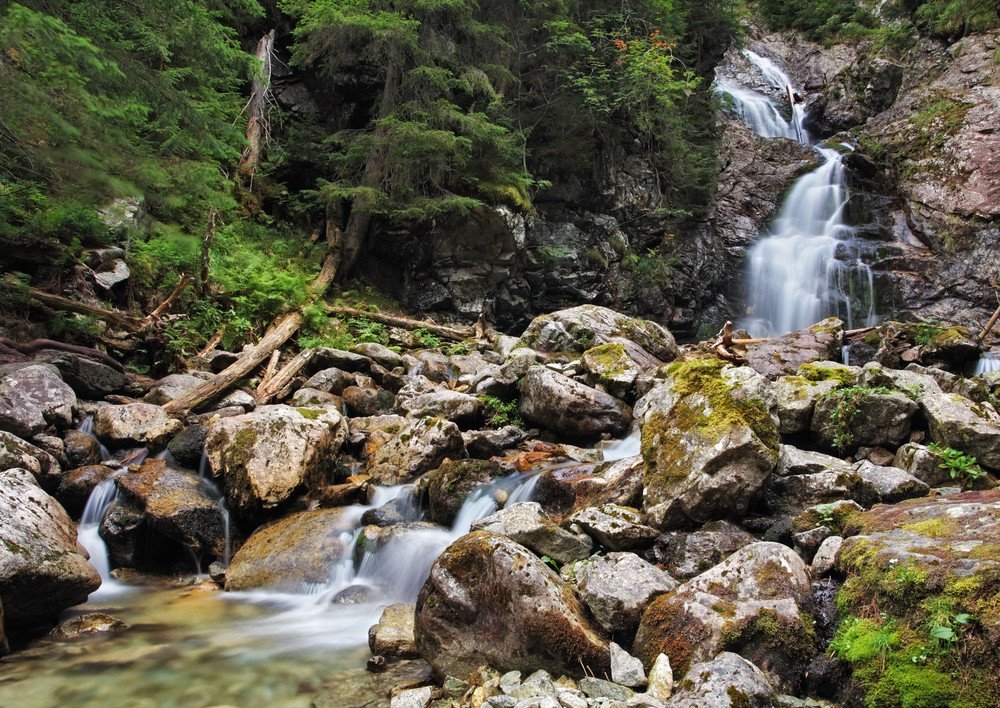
(460, 408)
(617, 528)
(268, 455)
(569, 408)
(783, 355)
(755, 603)
(417, 447)
(849, 418)
(32, 398)
(43, 569)
(618, 587)
(90, 378)
(796, 398)
(449, 485)
(141, 424)
(892, 484)
(15, 452)
(611, 366)
(727, 681)
(489, 601)
(686, 554)
(957, 422)
(708, 445)
(177, 505)
(577, 329)
(526, 524)
(294, 551)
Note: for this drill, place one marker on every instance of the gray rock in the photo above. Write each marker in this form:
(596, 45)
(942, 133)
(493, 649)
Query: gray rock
(141, 424)
(89, 378)
(727, 681)
(955, 421)
(893, 484)
(330, 381)
(796, 398)
(188, 446)
(483, 444)
(112, 273)
(570, 408)
(626, 670)
(312, 396)
(15, 452)
(660, 683)
(793, 493)
(419, 446)
(611, 366)
(806, 543)
(33, 397)
(327, 358)
(908, 381)
(474, 611)
(847, 421)
(794, 461)
(392, 636)
(617, 528)
(826, 557)
(599, 688)
(267, 455)
(413, 698)
(87, 624)
(689, 553)
(922, 463)
(618, 587)
(42, 569)
(785, 354)
(460, 408)
(527, 524)
(379, 353)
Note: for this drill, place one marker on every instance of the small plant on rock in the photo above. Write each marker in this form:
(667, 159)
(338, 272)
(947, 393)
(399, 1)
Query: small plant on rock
(961, 467)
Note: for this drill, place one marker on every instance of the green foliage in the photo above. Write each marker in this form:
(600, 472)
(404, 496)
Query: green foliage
(426, 338)
(848, 402)
(499, 413)
(960, 466)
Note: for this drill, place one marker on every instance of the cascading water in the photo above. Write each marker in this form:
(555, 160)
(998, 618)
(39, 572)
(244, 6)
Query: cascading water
(809, 265)
(990, 361)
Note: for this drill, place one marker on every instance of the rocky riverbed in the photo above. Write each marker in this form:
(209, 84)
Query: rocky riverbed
(586, 515)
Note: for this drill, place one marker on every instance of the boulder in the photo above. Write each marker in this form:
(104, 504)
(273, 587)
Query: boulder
(330, 381)
(268, 455)
(33, 397)
(626, 670)
(847, 419)
(460, 408)
(708, 447)
(87, 624)
(76, 486)
(611, 366)
(796, 398)
(42, 567)
(419, 446)
(923, 463)
(577, 329)
(826, 556)
(89, 378)
(525, 523)
(686, 554)
(135, 424)
(780, 356)
(392, 636)
(367, 401)
(176, 385)
(15, 452)
(379, 353)
(794, 461)
(329, 358)
(957, 422)
(188, 446)
(81, 448)
(893, 484)
(618, 587)
(727, 681)
(449, 486)
(292, 552)
(473, 611)
(177, 505)
(570, 408)
(617, 528)
(793, 493)
(755, 603)
(483, 444)
(125, 532)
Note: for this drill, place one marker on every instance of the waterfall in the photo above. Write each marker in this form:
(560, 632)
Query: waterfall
(989, 361)
(808, 266)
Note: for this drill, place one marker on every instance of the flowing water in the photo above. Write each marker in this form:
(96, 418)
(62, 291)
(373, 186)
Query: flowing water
(196, 646)
(989, 361)
(808, 266)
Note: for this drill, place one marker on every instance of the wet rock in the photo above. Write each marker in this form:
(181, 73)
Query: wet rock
(754, 603)
(617, 528)
(826, 556)
(570, 408)
(727, 681)
(923, 463)
(806, 543)
(89, 378)
(418, 447)
(42, 571)
(784, 355)
(367, 401)
(188, 446)
(578, 329)
(267, 455)
(76, 485)
(400, 510)
(525, 523)
(618, 587)
(413, 698)
(392, 636)
(474, 611)
(449, 486)
(87, 624)
(15, 452)
(708, 448)
(893, 484)
(460, 408)
(134, 424)
(848, 419)
(125, 532)
(177, 506)
(330, 381)
(955, 421)
(686, 554)
(379, 353)
(483, 444)
(217, 573)
(81, 449)
(796, 398)
(33, 397)
(287, 553)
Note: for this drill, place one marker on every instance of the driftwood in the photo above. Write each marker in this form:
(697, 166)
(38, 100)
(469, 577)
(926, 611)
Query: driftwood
(113, 317)
(37, 345)
(275, 384)
(260, 89)
(170, 299)
(723, 345)
(212, 343)
(454, 333)
(989, 326)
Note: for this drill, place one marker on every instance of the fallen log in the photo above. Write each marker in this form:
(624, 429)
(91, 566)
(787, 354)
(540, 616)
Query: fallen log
(273, 385)
(989, 326)
(113, 317)
(37, 345)
(170, 299)
(453, 333)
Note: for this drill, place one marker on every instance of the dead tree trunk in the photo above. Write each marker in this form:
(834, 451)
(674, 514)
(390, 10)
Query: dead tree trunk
(257, 129)
(453, 333)
(206, 253)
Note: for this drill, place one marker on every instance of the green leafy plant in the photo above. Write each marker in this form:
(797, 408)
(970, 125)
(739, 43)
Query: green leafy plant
(499, 413)
(366, 330)
(426, 338)
(848, 406)
(550, 562)
(961, 466)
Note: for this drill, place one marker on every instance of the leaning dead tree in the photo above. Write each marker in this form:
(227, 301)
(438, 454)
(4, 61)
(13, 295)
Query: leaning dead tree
(260, 89)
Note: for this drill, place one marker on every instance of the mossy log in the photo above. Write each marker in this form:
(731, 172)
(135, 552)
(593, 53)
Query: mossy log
(457, 334)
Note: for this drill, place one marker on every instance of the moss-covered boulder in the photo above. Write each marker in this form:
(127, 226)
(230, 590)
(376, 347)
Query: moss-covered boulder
(525, 523)
(727, 681)
(755, 603)
(266, 456)
(489, 601)
(416, 447)
(708, 443)
(780, 356)
(293, 551)
(796, 398)
(449, 485)
(42, 567)
(611, 366)
(921, 601)
(569, 408)
(859, 416)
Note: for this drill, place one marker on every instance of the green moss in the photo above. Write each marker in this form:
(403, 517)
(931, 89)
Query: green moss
(837, 516)
(310, 413)
(607, 359)
(787, 643)
(239, 451)
(828, 371)
(933, 528)
(738, 698)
